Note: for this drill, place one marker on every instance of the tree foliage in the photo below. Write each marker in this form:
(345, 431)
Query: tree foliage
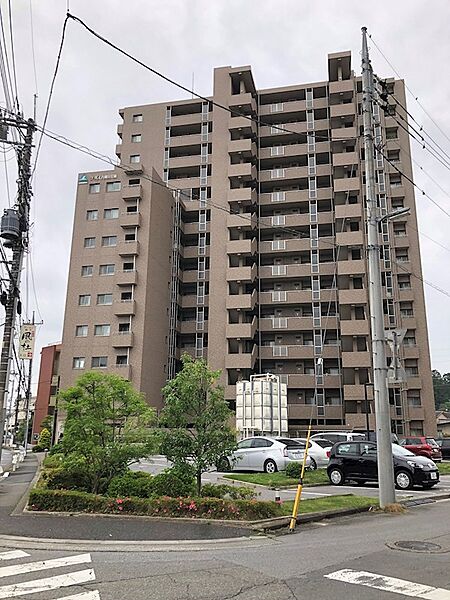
(441, 387)
(45, 439)
(197, 419)
(107, 427)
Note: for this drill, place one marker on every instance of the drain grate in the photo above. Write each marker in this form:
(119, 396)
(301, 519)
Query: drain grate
(417, 546)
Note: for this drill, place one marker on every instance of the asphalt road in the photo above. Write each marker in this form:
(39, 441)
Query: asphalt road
(157, 463)
(346, 559)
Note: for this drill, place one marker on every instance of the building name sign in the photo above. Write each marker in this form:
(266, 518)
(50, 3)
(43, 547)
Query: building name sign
(83, 178)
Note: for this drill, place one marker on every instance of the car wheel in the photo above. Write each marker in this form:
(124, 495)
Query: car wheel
(403, 480)
(270, 466)
(313, 465)
(224, 465)
(336, 477)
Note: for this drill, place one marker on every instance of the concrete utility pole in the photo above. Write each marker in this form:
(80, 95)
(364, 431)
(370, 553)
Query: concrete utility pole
(18, 245)
(380, 388)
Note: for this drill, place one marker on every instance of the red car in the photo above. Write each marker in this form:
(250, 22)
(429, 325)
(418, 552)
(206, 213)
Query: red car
(422, 446)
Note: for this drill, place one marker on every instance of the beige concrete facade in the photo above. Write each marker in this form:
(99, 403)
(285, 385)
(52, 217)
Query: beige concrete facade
(271, 271)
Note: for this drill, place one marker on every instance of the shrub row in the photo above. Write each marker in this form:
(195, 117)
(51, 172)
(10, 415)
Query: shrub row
(211, 508)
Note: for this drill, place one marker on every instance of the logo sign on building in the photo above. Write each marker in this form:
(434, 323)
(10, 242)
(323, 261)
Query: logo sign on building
(82, 178)
(26, 341)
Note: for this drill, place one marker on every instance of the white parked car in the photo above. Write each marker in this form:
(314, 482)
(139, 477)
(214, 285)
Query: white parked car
(263, 453)
(339, 436)
(317, 451)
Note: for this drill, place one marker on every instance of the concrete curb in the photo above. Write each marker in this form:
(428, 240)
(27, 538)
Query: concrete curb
(21, 505)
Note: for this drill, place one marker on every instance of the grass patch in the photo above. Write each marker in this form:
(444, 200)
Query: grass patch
(329, 503)
(444, 468)
(279, 479)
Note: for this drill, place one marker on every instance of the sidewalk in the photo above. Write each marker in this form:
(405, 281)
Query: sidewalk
(82, 527)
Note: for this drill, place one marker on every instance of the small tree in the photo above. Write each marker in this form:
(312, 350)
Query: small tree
(197, 419)
(47, 423)
(45, 439)
(107, 427)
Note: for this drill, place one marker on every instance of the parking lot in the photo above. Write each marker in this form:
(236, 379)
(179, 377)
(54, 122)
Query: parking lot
(158, 463)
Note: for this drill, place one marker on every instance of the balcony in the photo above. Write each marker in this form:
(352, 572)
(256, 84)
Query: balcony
(356, 359)
(292, 150)
(132, 192)
(411, 351)
(124, 308)
(286, 324)
(293, 270)
(339, 87)
(127, 277)
(242, 125)
(244, 221)
(242, 171)
(294, 245)
(342, 211)
(122, 370)
(416, 413)
(353, 296)
(343, 133)
(243, 274)
(292, 173)
(347, 184)
(241, 301)
(190, 276)
(241, 360)
(283, 352)
(192, 326)
(355, 327)
(342, 110)
(242, 247)
(285, 297)
(292, 197)
(306, 411)
(122, 340)
(356, 392)
(194, 139)
(246, 195)
(191, 301)
(349, 238)
(130, 220)
(193, 160)
(246, 147)
(345, 159)
(351, 267)
(128, 248)
(187, 119)
(241, 330)
(238, 101)
(193, 228)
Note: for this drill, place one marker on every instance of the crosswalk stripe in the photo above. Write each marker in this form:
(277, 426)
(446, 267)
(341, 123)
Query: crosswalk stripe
(12, 554)
(94, 595)
(46, 584)
(390, 584)
(43, 565)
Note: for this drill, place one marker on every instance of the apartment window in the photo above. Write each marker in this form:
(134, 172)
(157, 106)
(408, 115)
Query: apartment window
(124, 327)
(203, 197)
(204, 153)
(133, 182)
(109, 240)
(406, 309)
(130, 237)
(401, 254)
(204, 132)
(89, 242)
(132, 209)
(203, 174)
(113, 186)
(126, 296)
(276, 107)
(135, 158)
(78, 362)
(94, 188)
(312, 186)
(104, 299)
(107, 269)
(200, 293)
(84, 300)
(102, 330)
(413, 397)
(312, 164)
(311, 142)
(99, 362)
(111, 213)
(309, 98)
(201, 268)
(277, 150)
(81, 330)
(391, 133)
(87, 270)
(310, 119)
(276, 173)
(121, 360)
(91, 215)
(137, 118)
(395, 179)
(410, 338)
(136, 137)
(128, 266)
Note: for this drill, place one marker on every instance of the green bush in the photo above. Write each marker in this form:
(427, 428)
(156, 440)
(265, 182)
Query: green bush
(62, 478)
(173, 483)
(211, 508)
(57, 449)
(132, 483)
(53, 462)
(229, 492)
(294, 470)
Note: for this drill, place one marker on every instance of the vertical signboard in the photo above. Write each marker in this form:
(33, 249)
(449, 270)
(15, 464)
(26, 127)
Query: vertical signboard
(26, 341)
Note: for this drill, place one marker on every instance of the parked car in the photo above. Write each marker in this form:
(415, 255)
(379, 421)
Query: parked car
(318, 451)
(263, 453)
(422, 446)
(444, 445)
(357, 461)
(338, 436)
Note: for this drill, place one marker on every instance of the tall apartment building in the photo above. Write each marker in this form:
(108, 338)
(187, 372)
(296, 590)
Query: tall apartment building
(260, 264)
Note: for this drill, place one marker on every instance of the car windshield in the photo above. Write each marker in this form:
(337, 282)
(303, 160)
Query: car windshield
(399, 451)
(323, 443)
(431, 442)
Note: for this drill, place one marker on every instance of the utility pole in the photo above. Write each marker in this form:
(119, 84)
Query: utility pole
(18, 243)
(380, 388)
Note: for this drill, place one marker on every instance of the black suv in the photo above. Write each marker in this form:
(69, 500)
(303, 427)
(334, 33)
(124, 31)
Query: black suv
(444, 445)
(357, 461)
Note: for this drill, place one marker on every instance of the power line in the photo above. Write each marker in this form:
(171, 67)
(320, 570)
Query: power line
(420, 278)
(33, 285)
(50, 94)
(416, 98)
(6, 71)
(13, 55)
(32, 47)
(408, 224)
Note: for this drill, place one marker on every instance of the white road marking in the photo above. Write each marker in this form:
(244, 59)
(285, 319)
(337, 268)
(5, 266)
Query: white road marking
(13, 554)
(94, 595)
(43, 565)
(390, 584)
(46, 584)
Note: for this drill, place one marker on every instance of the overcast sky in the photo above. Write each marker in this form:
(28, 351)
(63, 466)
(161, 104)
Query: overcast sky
(285, 41)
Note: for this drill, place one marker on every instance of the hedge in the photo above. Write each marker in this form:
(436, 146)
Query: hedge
(210, 508)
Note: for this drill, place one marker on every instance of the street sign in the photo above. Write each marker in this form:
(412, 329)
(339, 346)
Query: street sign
(26, 341)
